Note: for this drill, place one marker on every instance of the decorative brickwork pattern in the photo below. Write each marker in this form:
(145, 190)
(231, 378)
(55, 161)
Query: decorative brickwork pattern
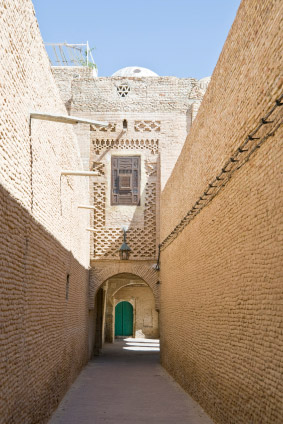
(147, 126)
(150, 215)
(123, 90)
(124, 144)
(107, 241)
(151, 168)
(111, 128)
(99, 198)
(98, 168)
(162, 108)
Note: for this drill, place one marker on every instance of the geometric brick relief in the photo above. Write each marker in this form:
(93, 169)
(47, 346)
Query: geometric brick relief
(105, 242)
(123, 90)
(110, 128)
(150, 168)
(142, 241)
(99, 200)
(98, 168)
(150, 208)
(142, 126)
(125, 144)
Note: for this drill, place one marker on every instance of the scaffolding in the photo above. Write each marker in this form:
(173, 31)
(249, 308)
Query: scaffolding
(65, 54)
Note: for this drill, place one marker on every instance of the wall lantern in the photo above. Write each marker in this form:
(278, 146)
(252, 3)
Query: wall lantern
(124, 250)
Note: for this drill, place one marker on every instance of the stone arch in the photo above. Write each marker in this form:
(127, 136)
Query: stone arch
(123, 285)
(101, 272)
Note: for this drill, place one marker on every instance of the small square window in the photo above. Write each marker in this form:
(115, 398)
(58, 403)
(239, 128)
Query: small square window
(123, 90)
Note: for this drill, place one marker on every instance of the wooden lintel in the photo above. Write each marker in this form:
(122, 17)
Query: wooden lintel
(86, 207)
(79, 173)
(66, 119)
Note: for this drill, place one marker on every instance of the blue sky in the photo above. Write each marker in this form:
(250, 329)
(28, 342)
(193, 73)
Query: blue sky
(172, 37)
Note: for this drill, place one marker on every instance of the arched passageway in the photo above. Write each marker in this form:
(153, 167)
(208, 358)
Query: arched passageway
(100, 273)
(124, 305)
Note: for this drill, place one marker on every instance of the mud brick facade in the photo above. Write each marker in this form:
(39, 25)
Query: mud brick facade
(151, 122)
(43, 241)
(221, 272)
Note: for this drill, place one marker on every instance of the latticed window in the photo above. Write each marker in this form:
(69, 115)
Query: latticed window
(123, 90)
(125, 180)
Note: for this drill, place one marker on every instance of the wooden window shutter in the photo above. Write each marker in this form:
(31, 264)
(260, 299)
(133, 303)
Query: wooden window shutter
(114, 182)
(125, 180)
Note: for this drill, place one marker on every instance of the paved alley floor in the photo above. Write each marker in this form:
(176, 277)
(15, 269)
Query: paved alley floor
(126, 384)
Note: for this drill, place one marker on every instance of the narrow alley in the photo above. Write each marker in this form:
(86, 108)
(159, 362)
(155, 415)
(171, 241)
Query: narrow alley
(126, 384)
(137, 205)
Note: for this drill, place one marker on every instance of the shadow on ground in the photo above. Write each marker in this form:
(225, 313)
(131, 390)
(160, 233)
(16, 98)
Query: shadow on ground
(126, 384)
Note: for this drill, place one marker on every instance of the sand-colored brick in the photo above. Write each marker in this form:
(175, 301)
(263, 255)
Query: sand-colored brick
(43, 238)
(221, 277)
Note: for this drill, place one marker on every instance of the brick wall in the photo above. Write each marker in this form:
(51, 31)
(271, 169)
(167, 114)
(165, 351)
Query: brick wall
(221, 272)
(43, 237)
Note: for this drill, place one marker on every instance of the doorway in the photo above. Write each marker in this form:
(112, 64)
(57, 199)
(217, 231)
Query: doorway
(123, 319)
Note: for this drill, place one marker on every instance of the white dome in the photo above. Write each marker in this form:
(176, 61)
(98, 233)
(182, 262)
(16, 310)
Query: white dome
(134, 71)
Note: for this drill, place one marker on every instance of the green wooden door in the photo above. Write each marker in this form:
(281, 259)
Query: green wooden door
(123, 319)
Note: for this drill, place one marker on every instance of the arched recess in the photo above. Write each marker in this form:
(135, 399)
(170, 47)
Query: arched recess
(102, 272)
(103, 315)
